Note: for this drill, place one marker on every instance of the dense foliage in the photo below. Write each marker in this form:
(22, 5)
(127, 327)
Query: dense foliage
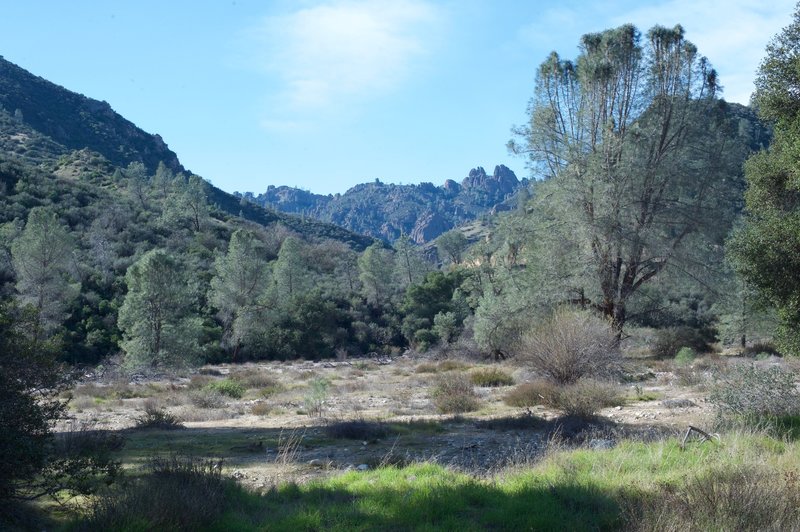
(767, 249)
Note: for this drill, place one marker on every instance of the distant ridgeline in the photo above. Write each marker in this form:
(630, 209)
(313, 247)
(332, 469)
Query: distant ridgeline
(386, 211)
(46, 126)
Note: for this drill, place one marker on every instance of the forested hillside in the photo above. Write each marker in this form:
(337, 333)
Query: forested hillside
(659, 223)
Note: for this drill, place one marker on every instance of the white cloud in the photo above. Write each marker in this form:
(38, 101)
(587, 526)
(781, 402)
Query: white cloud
(334, 52)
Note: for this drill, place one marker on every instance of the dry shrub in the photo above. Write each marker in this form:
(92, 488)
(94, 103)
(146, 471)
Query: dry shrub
(253, 377)
(275, 388)
(260, 409)
(491, 377)
(427, 367)
(79, 403)
(731, 498)
(570, 345)
(444, 365)
(529, 394)
(670, 340)
(199, 381)
(191, 415)
(452, 365)
(580, 399)
(453, 393)
(156, 417)
(688, 376)
(176, 494)
(752, 395)
(584, 398)
(206, 398)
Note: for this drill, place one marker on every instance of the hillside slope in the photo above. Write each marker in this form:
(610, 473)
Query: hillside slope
(43, 124)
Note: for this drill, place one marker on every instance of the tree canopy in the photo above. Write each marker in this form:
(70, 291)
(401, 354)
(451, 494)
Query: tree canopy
(766, 252)
(635, 153)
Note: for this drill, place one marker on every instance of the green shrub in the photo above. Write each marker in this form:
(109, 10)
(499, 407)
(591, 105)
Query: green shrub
(231, 388)
(453, 394)
(685, 355)
(751, 395)
(668, 341)
(491, 377)
(761, 348)
(316, 395)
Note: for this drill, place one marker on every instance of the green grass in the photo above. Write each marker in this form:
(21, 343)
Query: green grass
(571, 490)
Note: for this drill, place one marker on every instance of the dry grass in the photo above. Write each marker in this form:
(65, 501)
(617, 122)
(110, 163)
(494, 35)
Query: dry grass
(444, 365)
(254, 377)
(491, 377)
(738, 497)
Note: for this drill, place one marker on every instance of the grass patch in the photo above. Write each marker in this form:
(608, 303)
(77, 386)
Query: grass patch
(254, 378)
(491, 377)
(444, 365)
(748, 482)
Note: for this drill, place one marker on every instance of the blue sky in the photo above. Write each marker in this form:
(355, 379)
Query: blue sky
(322, 95)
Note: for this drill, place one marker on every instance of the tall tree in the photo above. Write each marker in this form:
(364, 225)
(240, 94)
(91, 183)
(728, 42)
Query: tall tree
(766, 251)
(410, 266)
(240, 285)
(290, 273)
(139, 182)
(375, 270)
(452, 245)
(42, 257)
(632, 144)
(159, 318)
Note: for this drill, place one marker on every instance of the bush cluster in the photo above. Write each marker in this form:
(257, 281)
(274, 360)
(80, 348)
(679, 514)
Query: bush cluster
(583, 398)
(453, 393)
(752, 395)
(175, 494)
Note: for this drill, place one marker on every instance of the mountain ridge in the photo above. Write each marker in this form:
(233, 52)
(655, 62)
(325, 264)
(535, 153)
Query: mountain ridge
(387, 211)
(46, 125)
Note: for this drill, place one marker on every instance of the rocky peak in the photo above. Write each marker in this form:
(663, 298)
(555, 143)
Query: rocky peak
(506, 179)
